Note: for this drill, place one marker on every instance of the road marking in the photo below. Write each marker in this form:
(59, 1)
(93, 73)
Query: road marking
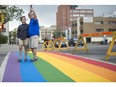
(89, 58)
(3, 66)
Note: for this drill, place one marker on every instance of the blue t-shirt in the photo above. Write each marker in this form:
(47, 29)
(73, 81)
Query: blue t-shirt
(33, 27)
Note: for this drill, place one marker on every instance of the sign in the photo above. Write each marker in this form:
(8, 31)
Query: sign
(88, 19)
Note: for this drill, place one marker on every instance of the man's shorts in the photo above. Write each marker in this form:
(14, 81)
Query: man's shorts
(33, 41)
(23, 42)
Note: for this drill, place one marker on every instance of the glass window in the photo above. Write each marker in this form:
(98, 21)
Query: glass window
(75, 15)
(82, 15)
(112, 30)
(99, 30)
(112, 22)
(89, 11)
(81, 31)
(82, 11)
(98, 22)
(74, 11)
(89, 15)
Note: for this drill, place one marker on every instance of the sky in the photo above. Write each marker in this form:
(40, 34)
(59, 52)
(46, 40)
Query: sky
(47, 13)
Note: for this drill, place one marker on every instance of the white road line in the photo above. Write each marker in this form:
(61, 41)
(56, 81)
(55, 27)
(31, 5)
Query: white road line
(3, 66)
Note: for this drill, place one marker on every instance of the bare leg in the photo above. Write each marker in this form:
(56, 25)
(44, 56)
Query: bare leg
(25, 51)
(34, 52)
(20, 51)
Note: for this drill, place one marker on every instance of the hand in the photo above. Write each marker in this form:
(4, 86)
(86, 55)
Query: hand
(31, 10)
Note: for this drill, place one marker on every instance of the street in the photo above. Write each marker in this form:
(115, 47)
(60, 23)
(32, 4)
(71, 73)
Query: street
(96, 51)
(62, 66)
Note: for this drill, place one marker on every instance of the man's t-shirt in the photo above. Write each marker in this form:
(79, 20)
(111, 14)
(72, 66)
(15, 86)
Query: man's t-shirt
(33, 27)
(22, 31)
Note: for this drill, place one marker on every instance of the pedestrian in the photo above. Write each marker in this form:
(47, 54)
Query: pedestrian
(22, 35)
(46, 40)
(33, 33)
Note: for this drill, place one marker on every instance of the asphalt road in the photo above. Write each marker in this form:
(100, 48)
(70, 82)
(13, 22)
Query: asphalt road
(96, 51)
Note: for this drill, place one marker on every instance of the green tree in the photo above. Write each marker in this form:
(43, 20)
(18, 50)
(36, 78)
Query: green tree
(11, 12)
(3, 39)
(14, 34)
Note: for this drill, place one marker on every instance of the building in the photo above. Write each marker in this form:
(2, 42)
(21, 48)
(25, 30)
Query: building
(89, 25)
(47, 32)
(68, 13)
(5, 30)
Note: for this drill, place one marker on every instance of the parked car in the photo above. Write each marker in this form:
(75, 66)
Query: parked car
(72, 42)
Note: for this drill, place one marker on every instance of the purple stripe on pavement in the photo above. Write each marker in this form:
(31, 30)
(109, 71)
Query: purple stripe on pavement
(12, 71)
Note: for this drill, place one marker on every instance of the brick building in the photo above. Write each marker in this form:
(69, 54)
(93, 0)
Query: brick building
(68, 13)
(95, 25)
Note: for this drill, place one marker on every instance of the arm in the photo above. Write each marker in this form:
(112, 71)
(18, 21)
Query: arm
(35, 16)
(18, 32)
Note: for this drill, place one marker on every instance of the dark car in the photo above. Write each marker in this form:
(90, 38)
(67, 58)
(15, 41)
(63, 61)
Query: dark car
(72, 42)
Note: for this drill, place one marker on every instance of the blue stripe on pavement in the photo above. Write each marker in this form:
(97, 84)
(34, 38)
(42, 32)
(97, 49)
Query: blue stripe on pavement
(29, 72)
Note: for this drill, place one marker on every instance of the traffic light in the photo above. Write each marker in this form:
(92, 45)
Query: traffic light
(2, 18)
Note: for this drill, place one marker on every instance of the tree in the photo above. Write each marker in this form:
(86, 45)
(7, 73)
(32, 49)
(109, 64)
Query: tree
(11, 12)
(13, 35)
(3, 39)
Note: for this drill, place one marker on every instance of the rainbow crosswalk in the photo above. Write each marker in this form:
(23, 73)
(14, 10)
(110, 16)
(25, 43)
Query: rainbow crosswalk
(58, 67)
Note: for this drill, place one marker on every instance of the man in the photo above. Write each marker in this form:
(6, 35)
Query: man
(22, 35)
(33, 33)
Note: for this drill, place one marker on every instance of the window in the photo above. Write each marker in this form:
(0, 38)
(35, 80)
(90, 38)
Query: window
(99, 30)
(81, 23)
(89, 11)
(111, 30)
(81, 31)
(112, 22)
(89, 15)
(99, 22)
(82, 15)
(82, 11)
(73, 32)
(75, 15)
(75, 11)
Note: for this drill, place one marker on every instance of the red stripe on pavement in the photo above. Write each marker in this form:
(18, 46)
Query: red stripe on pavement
(98, 63)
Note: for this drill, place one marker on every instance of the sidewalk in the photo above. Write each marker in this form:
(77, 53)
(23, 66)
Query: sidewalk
(4, 49)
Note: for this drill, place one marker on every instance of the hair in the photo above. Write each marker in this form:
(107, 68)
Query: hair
(22, 17)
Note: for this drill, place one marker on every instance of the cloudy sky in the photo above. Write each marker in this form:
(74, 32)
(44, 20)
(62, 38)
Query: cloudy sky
(47, 13)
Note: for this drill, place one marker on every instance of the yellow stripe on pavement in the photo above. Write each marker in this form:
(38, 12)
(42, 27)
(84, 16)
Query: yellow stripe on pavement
(74, 72)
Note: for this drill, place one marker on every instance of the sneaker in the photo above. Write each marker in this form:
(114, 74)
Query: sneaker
(19, 60)
(32, 60)
(25, 60)
(35, 59)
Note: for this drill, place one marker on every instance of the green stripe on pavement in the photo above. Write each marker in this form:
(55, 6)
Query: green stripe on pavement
(49, 72)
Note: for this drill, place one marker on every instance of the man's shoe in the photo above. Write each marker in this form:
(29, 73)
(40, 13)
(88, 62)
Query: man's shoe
(19, 60)
(25, 60)
(32, 60)
(35, 59)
